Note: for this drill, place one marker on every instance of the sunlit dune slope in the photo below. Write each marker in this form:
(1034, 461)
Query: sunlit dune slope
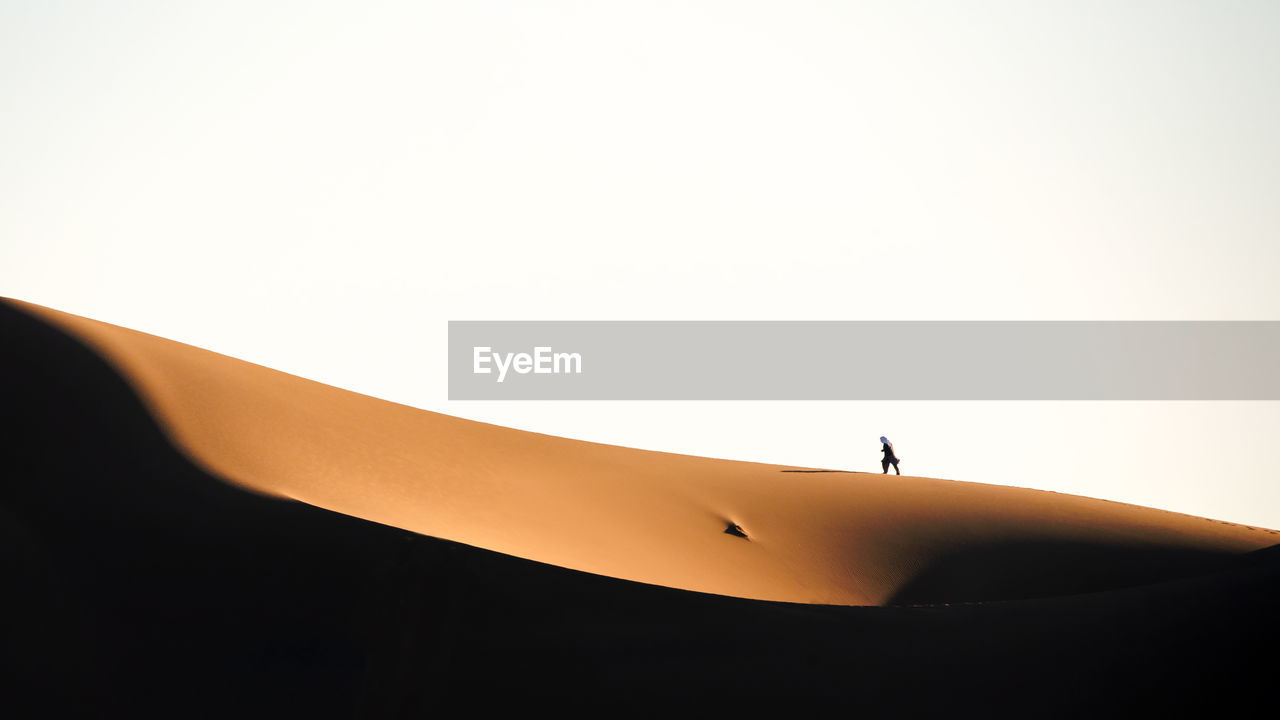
(653, 517)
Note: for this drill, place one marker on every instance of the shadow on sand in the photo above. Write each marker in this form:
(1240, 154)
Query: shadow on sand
(137, 584)
(1049, 568)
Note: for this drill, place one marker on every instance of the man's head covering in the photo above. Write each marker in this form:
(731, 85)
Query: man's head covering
(885, 440)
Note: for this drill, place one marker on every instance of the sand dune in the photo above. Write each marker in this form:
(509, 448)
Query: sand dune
(139, 583)
(812, 537)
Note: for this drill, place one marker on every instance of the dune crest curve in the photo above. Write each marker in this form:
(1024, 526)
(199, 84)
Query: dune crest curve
(653, 517)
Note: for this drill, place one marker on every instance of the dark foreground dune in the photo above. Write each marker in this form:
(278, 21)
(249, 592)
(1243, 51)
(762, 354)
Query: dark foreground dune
(137, 581)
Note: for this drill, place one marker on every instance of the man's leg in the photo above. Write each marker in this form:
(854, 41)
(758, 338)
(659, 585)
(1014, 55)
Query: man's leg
(884, 464)
(895, 468)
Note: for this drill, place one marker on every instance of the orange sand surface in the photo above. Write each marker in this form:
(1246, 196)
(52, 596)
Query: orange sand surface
(653, 517)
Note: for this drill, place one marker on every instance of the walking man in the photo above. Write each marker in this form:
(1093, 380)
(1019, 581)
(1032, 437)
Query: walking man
(889, 457)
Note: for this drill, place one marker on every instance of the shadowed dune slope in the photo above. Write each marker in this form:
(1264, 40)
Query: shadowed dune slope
(139, 585)
(652, 517)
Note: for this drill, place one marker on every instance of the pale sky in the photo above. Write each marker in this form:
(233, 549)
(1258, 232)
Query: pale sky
(320, 186)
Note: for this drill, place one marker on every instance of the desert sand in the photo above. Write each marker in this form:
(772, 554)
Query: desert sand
(816, 537)
(185, 534)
